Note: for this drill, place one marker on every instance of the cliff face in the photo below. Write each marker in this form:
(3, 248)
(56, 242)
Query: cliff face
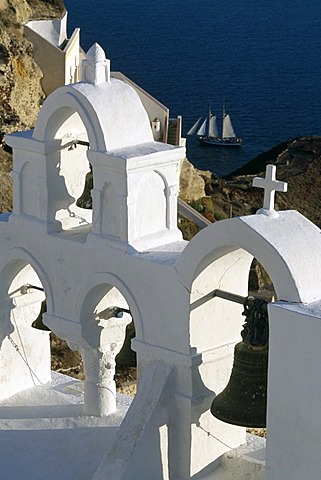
(20, 90)
(192, 182)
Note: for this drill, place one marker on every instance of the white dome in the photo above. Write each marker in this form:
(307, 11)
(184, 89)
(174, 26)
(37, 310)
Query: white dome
(96, 53)
(112, 113)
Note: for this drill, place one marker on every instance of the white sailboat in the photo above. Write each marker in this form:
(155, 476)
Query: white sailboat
(207, 131)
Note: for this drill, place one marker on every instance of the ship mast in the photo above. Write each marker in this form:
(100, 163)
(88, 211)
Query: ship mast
(223, 116)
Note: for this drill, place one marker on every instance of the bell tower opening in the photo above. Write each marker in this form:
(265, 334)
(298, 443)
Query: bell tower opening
(244, 399)
(25, 351)
(231, 296)
(107, 329)
(67, 172)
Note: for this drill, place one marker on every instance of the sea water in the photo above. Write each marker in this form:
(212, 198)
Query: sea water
(263, 57)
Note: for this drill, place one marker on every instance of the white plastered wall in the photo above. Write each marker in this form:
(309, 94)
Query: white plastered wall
(57, 56)
(294, 410)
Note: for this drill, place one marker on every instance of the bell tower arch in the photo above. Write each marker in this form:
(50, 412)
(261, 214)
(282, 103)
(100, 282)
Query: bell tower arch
(80, 129)
(219, 257)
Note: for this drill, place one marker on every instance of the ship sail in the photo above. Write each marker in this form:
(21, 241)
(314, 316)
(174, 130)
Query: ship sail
(228, 130)
(202, 131)
(194, 127)
(212, 127)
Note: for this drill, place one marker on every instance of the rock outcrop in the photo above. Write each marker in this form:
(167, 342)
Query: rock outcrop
(192, 182)
(20, 90)
(21, 94)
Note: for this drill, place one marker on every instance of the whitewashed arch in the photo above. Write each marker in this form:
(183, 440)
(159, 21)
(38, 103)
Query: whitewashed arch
(106, 121)
(11, 263)
(273, 242)
(59, 106)
(108, 279)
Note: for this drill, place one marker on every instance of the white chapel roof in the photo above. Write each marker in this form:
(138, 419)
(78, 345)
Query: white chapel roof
(110, 109)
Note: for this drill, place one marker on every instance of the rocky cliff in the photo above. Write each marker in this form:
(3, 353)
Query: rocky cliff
(20, 90)
(192, 182)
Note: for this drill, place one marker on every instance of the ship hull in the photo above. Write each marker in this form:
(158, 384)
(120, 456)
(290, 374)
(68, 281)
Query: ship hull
(217, 142)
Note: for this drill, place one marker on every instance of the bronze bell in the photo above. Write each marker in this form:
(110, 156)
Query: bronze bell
(243, 401)
(126, 357)
(38, 323)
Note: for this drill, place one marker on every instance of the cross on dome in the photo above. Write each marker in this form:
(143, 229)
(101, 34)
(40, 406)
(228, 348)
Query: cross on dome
(270, 186)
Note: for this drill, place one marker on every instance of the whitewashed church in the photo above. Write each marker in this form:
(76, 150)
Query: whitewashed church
(127, 252)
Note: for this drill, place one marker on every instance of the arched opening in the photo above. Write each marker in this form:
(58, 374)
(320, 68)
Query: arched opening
(28, 354)
(69, 362)
(104, 316)
(220, 257)
(29, 351)
(24, 351)
(67, 171)
(219, 295)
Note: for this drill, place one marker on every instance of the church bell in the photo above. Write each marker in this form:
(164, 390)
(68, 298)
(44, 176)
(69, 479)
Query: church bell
(243, 401)
(38, 323)
(126, 357)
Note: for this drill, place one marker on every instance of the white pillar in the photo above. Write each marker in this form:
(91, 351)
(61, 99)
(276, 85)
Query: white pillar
(100, 386)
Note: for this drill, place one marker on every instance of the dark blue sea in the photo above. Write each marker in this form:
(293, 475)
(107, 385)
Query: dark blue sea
(263, 57)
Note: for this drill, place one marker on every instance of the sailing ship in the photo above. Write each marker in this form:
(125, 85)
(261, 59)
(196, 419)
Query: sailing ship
(207, 131)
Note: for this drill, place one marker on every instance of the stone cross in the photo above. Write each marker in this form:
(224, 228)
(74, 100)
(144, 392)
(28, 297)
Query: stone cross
(270, 186)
